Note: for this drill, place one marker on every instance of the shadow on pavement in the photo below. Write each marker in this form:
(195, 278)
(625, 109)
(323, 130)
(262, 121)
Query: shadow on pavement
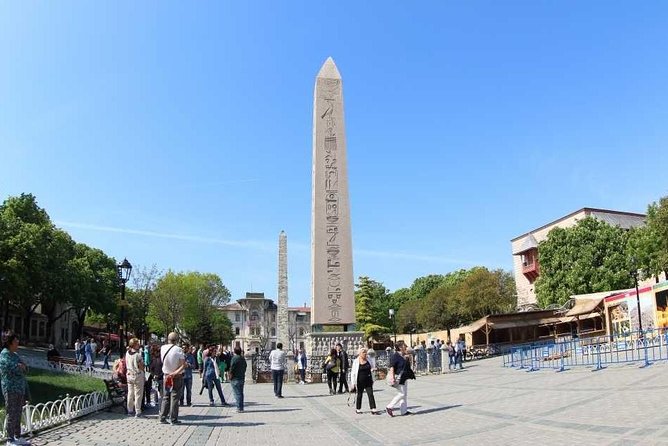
(233, 424)
(271, 410)
(436, 409)
(202, 417)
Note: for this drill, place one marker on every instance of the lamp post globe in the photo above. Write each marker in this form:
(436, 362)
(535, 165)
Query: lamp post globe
(394, 325)
(123, 270)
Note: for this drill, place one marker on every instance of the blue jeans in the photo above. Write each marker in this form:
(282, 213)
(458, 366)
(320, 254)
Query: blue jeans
(214, 382)
(106, 362)
(187, 391)
(277, 377)
(238, 389)
(451, 363)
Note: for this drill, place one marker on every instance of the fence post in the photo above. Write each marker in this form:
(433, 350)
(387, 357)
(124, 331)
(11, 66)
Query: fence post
(444, 358)
(561, 354)
(599, 366)
(534, 359)
(522, 355)
(28, 414)
(68, 408)
(644, 343)
(249, 367)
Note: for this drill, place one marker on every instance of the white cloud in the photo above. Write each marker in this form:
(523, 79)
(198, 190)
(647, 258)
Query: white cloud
(252, 244)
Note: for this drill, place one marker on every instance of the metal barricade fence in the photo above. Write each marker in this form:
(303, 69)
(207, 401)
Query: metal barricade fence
(598, 351)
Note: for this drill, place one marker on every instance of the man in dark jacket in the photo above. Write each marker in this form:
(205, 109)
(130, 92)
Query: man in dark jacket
(343, 377)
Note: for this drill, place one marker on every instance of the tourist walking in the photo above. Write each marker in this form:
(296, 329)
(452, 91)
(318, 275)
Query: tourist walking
(301, 365)
(332, 368)
(460, 348)
(134, 364)
(277, 361)
(237, 376)
(173, 363)
(77, 351)
(343, 359)
(451, 355)
(191, 364)
(361, 378)
(106, 354)
(14, 387)
(200, 359)
(398, 375)
(211, 374)
(88, 352)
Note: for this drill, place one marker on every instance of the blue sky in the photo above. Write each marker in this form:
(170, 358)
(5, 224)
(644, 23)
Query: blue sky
(180, 133)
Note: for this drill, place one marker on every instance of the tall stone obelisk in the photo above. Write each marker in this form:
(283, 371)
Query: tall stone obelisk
(282, 334)
(332, 292)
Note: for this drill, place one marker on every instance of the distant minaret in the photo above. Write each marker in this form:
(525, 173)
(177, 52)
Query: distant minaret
(282, 316)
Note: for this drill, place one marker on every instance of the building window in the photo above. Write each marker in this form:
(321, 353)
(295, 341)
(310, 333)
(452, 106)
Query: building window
(254, 316)
(273, 331)
(299, 318)
(236, 331)
(237, 317)
(273, 345)
(42, 329)
(301, 331)
(33, 327)
(273, 317)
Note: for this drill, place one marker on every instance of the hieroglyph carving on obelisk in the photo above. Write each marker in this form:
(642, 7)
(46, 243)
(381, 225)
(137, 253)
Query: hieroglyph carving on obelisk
(282, 316)
(333, 300)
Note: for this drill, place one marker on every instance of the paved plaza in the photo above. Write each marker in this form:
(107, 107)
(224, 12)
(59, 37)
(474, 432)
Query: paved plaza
(483, 404)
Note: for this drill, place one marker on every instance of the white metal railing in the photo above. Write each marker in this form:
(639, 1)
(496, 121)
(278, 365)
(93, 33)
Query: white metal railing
(45, 415)
(67, 368)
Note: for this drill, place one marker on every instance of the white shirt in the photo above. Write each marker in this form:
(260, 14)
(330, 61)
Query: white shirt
(172, 360)
(299, 361)
(277, 359)
(132, 362)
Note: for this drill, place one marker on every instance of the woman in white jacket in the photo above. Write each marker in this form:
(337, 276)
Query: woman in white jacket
(361, 377)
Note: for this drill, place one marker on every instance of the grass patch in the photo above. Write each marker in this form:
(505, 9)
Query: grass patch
(49, 386)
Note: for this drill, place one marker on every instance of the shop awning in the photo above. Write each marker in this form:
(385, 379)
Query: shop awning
(584, 306)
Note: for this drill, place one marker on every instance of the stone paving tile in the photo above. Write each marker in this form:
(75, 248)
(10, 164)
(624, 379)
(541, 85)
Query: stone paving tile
(483, 404)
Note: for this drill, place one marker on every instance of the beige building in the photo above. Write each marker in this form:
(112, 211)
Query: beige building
(526, 264)
(254, 322)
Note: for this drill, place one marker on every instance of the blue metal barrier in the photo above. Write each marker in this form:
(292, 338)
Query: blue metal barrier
(597, 352)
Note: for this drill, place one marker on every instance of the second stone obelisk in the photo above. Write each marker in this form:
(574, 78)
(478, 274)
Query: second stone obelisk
(332, 292)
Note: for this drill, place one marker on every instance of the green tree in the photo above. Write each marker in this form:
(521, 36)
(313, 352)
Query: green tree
(648, 245)
(484, 292)
(422, 286)
(189, 303)
(94, 287)
(367, 291)
(586, 258)
(407, 316)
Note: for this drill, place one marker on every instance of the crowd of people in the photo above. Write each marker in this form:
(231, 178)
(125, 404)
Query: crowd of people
(163, 375)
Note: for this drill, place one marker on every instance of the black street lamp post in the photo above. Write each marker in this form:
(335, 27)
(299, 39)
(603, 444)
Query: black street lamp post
(123, 270)
(394, 325)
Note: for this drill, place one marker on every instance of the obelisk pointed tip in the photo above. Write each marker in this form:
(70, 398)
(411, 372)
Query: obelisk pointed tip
(329, 70)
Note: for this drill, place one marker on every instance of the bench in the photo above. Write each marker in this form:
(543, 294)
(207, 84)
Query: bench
(63, 360)
(118, 393)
